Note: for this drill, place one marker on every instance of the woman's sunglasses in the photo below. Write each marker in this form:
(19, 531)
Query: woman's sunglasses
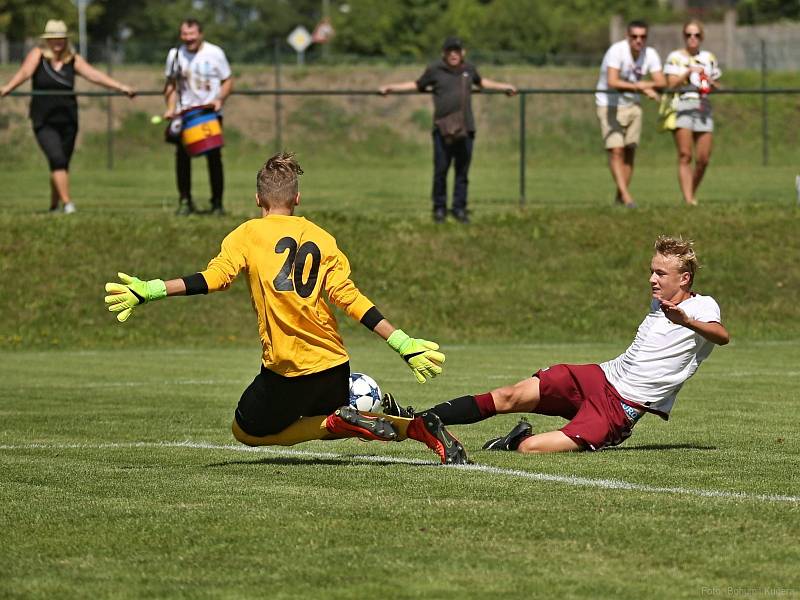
(693, 35)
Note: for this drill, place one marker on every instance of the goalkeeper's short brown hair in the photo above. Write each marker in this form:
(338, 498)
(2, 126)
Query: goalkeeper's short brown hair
(276, 182)
(681, 249)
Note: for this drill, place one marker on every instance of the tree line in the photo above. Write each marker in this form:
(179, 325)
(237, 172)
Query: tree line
(388, 29)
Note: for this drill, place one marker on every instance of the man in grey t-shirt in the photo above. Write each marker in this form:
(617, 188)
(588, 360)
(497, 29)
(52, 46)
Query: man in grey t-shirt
(451, 80)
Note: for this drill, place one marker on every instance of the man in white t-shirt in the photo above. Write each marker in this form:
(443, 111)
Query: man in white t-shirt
(198, 74)
(622, 72)
(603, 402)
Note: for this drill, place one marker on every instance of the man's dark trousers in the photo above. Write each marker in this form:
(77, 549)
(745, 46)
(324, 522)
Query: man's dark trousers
(443, 155)
(183, 173)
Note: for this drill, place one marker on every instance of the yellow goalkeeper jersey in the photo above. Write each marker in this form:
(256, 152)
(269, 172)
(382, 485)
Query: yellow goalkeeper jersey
(290, 262)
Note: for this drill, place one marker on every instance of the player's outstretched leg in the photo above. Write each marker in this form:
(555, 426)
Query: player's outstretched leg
(512, 439)
(305, 429)
(348, 422)
(391, 407)
(428, 429)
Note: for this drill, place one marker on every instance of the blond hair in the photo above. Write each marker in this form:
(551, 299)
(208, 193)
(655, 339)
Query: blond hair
(696, 23)
(67, 56)
(681, 249)
(276, 182)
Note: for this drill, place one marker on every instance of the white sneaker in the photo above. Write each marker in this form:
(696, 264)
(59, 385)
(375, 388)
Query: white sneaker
(69, 208)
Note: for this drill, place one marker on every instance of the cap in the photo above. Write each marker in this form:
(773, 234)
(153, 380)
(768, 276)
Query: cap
(452, 43)
(54, 30)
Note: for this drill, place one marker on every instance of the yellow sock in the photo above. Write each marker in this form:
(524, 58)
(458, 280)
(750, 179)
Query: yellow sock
(304, 429)
(400, 425)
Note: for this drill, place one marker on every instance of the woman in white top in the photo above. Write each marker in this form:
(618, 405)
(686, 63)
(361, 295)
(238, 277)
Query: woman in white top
(696, 71)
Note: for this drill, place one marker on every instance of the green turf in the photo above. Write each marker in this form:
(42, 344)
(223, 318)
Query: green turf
(166, 521)
(148, 518)
(547, 274)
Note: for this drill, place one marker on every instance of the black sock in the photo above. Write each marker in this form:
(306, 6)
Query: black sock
(459, 411)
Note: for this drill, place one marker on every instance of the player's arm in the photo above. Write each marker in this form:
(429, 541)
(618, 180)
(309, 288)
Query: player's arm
(711, 330)
(421, 356)
(123, 297)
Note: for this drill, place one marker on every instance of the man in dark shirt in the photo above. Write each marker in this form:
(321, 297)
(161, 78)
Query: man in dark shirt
(451, 80)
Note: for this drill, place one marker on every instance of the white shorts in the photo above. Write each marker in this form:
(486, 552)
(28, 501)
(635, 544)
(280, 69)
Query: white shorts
(694, 115)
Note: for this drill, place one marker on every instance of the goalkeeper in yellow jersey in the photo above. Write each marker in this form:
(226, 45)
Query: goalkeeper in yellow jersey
(302, 391)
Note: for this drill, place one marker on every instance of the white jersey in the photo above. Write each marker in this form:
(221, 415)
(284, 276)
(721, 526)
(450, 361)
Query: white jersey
(619, 56)
(663, 356)
(679, 61)
(199, 74)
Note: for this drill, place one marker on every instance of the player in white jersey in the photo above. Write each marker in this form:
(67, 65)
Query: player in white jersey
(695, 72)
(603, 402)
(622, 73)
(198, 75)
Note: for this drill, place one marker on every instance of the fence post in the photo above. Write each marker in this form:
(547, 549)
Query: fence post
(522, 149)
(3, 49)
(277, 59)
(729, 23)
(109, 113)
(764, 113)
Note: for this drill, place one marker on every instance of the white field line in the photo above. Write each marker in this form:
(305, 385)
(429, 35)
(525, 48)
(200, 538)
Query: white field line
(179, 382)
(760, 374)
(123, 384)
(609, 484)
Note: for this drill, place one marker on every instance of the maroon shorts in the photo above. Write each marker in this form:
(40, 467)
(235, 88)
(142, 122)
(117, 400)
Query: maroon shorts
(582, 394)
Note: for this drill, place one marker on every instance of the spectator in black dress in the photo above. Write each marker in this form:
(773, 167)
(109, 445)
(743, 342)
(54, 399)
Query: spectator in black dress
(53, 66)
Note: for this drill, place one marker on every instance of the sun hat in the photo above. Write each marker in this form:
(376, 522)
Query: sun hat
(54, 30)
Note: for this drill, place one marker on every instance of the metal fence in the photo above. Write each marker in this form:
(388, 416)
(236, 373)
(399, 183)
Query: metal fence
(523, 94)
(780, 50)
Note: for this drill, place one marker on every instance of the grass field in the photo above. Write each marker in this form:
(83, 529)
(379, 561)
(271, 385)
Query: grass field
(119, 478)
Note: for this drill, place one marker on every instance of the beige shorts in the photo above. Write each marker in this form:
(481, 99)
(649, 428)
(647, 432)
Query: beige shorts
(621, 125)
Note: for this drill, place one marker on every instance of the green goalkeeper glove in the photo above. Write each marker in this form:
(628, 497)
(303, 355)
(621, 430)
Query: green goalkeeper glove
(422, 356)
(123, 298)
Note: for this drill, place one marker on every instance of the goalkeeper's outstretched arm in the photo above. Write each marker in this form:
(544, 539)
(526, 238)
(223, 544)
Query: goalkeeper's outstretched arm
(423, 357)
(123, 297)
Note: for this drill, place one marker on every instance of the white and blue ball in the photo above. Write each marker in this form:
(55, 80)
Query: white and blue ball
(365, 395)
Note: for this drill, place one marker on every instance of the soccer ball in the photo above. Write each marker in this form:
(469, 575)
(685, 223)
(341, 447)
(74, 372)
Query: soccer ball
(365, 394)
